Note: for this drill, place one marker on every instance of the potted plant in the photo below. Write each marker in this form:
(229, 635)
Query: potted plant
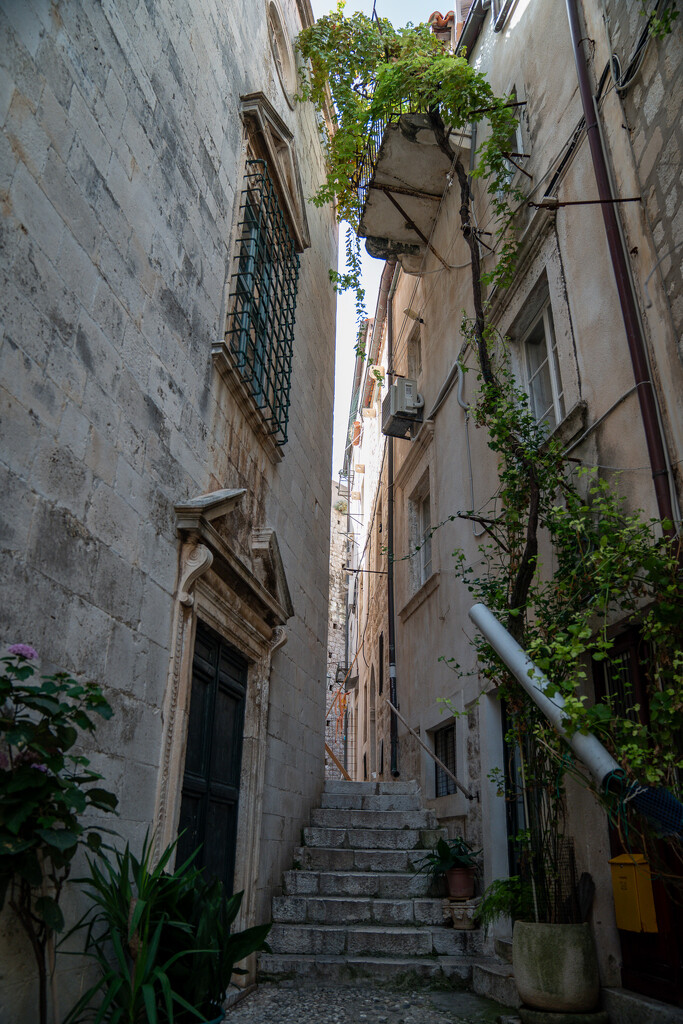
(553, 952)
(456, 861)
(161, 939)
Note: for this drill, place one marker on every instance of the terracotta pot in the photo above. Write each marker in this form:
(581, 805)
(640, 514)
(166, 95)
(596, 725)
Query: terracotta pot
(556, 967)
(460, 883)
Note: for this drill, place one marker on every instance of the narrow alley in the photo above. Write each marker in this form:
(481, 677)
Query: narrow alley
(341, 531)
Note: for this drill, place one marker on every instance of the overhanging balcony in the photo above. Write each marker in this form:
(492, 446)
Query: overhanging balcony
(400, 180)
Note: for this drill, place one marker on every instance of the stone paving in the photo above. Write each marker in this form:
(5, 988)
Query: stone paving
(295, 1002)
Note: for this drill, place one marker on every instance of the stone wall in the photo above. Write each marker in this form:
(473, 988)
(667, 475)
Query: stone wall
(652, 105)
(121, 160)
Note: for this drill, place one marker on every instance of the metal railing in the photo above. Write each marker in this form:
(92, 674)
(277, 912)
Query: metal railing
(366, 162)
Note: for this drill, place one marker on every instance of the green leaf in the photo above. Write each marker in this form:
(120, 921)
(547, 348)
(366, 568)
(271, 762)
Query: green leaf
(49, 910)
(150, 1003)
(61, 839)
(94, 841)
(102, 798)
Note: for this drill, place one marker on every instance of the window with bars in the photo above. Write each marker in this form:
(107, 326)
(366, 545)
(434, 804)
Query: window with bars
(260, 330)
(444, 748)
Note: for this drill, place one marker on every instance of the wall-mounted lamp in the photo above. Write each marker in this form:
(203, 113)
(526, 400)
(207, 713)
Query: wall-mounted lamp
(413, 315)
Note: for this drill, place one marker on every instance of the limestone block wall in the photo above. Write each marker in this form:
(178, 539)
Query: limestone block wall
(121, 160)
(652, 105)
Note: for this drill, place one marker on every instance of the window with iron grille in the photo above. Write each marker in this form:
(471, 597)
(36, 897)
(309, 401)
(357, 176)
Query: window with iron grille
(260, 330)
(444, 748)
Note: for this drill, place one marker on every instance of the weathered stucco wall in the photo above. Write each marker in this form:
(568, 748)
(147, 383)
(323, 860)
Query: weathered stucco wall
(121, 160)
(336, 632)
(564, 258)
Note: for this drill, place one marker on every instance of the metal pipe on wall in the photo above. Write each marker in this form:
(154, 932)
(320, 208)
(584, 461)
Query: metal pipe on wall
(634, 334)
(393, 276)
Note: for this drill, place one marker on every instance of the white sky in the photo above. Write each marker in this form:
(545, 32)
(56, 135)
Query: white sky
(399, 12)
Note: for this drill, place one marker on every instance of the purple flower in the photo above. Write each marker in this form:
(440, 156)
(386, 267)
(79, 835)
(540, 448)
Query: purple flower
(40, 767)
(23, 651)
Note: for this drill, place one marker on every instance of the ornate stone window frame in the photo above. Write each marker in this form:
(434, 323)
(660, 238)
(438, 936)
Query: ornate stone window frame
(268, 139)
(281, 49)
(249, 608)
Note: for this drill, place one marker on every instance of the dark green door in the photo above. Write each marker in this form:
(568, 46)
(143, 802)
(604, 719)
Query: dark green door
(208, 812)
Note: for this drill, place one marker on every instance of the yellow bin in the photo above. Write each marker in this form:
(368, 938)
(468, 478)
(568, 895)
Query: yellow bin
(633, 900)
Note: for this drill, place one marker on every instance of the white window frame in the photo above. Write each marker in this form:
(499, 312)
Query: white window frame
(414, 353)
(421, 528)
(551, 360)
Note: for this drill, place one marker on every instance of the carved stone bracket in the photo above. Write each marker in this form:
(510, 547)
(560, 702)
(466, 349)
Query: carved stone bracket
(197, 562)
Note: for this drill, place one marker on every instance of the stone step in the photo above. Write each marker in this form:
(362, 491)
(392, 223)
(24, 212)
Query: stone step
(368, 940)
(372, 802)
(327, 859)
(372, 838)
(356, 910)
(327, 817)
(340, 786)
(503, 949)
(495, 979)
(351, 883)
(382, 970)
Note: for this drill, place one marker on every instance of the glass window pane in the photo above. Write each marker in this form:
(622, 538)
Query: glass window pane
(444, 748)
(541, 393)
(426, 517)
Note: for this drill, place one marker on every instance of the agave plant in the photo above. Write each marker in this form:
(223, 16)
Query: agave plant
(448, 854)
(161, 940)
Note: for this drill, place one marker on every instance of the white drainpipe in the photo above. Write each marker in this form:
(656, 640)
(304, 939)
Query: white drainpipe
(587, 747)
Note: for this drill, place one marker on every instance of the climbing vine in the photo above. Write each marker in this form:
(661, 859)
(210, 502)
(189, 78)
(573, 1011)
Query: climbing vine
(566, 558)
(375, 73)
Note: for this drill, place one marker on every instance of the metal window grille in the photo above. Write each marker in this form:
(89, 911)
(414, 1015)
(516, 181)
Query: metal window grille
(260, 329)
(444, 748)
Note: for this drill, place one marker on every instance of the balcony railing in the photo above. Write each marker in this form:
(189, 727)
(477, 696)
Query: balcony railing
(366, 164)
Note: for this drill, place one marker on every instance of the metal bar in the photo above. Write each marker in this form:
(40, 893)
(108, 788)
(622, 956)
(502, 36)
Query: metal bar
(518, 166)
(463, 789)
(416, 229)
(338, 763)
(375, 572)
(484, 110)
(404, 191)
(550, 203)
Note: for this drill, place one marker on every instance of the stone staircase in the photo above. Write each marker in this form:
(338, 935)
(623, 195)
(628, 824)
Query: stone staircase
(354, 907)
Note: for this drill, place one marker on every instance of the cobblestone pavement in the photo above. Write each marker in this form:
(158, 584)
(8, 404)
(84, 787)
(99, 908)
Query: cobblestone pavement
(307, 1003)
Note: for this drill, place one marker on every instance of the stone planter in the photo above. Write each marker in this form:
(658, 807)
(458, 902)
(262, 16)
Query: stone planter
(556, 967)
(460, 883)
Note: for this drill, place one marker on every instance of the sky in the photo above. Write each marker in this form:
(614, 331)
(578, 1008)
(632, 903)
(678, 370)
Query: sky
(399, 12)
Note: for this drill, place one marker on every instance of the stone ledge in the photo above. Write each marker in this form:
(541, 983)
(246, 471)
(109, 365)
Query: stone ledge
(626, 1007)
(420, 597)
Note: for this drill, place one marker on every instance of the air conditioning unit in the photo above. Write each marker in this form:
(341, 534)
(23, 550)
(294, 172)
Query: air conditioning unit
(402, 408)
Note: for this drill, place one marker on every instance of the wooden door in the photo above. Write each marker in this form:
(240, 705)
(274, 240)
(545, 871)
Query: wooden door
(210, 796)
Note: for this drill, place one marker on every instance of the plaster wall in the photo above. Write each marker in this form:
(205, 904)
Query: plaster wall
(121, 161)
(336, 632)
(563, 255)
